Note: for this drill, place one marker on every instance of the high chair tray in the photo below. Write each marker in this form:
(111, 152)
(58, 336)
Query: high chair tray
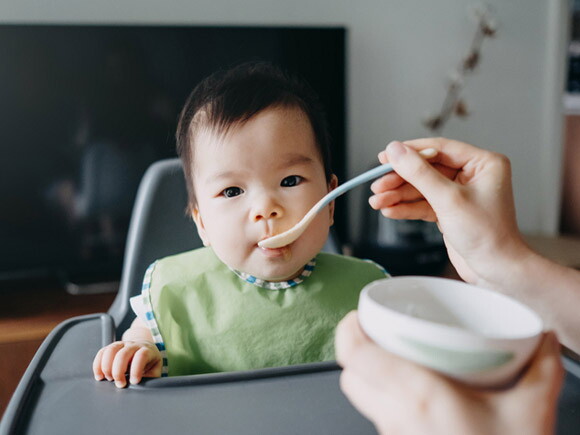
(58, 395)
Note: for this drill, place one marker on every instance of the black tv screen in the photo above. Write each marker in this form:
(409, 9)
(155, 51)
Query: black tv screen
(75, 99)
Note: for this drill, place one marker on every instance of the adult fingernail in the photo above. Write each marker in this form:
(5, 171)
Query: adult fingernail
(134, 381)
(395, 150)
(372, 201)
(98, 378)
(119, 384)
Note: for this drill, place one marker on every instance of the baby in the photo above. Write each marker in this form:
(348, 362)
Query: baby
(255, 152)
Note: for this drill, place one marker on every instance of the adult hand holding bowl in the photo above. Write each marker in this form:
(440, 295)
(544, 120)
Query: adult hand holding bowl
(468, 333)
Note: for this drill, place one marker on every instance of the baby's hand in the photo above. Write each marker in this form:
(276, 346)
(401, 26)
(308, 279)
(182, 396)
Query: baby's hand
(113, 361)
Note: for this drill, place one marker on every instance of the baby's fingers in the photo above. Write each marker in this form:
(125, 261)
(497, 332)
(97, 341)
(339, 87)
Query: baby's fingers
(145, 363)
(121, 364)
(107, 358)
(97, 371)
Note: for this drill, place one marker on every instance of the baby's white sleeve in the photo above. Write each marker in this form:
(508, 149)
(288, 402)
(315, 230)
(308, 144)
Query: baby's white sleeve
(139, 307)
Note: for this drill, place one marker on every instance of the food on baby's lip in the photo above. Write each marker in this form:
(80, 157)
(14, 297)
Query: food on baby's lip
(273, 249)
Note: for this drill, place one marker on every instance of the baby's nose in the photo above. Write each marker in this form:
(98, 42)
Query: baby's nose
(260, 216)
(267, 208)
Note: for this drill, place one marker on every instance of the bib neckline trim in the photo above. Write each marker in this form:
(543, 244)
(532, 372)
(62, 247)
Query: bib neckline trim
(278, 285)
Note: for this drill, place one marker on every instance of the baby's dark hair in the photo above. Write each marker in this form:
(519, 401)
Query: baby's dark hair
(234, 96)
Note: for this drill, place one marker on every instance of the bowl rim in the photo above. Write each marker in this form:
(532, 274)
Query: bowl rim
(449, 328)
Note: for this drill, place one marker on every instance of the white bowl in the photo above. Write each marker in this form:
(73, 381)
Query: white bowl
(471, 334)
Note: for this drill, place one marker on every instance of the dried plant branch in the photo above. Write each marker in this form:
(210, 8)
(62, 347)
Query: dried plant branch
(452, 104)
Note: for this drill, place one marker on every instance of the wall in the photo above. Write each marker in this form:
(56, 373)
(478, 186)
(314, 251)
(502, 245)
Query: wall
(571, 188)
(401, 53)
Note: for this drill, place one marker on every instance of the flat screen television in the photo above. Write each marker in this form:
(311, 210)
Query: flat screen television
(69, 91)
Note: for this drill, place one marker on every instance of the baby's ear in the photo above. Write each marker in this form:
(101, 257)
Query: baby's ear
(332, 184)
(200, 226)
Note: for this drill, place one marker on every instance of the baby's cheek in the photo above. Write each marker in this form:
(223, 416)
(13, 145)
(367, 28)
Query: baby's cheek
(317, 232)
(231, 257)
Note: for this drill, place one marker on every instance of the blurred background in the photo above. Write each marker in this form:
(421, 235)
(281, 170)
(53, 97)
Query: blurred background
(90, 94)
(84, 111)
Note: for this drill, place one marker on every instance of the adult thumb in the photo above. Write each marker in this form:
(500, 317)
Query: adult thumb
(545, 373)
(418, 172)
(535, 396)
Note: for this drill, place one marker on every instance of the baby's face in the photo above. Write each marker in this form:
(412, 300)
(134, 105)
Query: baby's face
(258, 181)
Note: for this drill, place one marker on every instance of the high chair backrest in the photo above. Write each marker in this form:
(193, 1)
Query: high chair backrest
(159, 227)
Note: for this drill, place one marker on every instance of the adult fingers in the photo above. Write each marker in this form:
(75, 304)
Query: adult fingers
(357, 353)
(405, 193)
(451, 153)
(348, 335)
(384, 157)
(351, 341)
(364, 395)
(358, 391)
(387, 182)
(414, 169)
(533, 400)
(545, 374)
(419, 210)
(382, 407)
(393, 180)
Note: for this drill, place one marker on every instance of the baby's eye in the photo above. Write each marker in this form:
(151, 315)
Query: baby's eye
(230, 192)
(291, 181)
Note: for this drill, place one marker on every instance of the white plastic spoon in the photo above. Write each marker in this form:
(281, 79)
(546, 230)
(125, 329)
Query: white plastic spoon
(296, 231)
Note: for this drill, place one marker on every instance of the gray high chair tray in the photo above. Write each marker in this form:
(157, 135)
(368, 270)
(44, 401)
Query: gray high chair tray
(58, 394)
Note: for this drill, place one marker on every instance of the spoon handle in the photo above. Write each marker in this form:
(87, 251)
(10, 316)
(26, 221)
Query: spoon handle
(359, 179)
(363, 178)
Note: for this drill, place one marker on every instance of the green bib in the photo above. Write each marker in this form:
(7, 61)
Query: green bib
(209, 319)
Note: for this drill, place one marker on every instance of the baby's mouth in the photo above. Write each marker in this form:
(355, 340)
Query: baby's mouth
(273, 251)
